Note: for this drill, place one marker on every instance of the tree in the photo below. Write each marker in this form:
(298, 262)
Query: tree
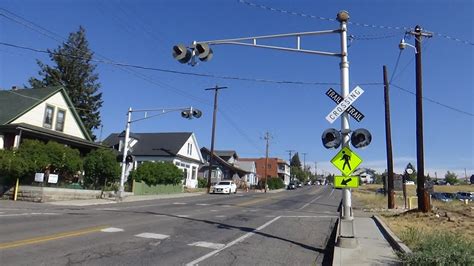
(295, 161)
(101, 167)
(75, 72)
(12, 166)
(155, 173)
(451, 178)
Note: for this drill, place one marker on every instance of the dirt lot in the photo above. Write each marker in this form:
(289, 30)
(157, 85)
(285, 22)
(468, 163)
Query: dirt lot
(455, 217)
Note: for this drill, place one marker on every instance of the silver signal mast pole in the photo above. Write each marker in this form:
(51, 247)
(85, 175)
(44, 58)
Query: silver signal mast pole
(343, 17)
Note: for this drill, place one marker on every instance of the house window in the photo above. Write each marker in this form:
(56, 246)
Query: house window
(194, 172)
(48, 116)
(190, 149)
(60, 116)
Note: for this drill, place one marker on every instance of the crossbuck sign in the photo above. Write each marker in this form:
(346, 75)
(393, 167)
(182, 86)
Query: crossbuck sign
(344, 104)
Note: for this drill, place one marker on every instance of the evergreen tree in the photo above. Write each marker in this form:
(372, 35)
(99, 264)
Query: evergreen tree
(295, 161)
(75, 72)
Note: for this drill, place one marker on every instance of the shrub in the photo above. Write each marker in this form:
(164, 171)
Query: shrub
(275, 183)
(440, 248)
(202, 182)
(157, 173)
(100, 167)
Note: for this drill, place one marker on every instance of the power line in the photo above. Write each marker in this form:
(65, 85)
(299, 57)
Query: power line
(350, 22)
(183, 72)
(58, 38)
(435, 102)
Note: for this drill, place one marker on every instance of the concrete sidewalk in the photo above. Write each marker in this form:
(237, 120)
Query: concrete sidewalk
(372, 248)
(130, 198)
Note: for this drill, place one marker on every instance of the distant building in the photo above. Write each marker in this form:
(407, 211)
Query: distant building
(366, 175)
(224, 166)
(179, 148)
(276, 168)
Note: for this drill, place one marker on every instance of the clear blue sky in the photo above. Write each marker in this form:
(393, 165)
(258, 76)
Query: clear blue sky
(143, 32)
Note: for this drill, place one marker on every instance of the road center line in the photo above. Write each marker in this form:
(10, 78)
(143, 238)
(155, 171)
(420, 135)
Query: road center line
(230, 244)
(315, 199)
(41, 239)
(28, 214)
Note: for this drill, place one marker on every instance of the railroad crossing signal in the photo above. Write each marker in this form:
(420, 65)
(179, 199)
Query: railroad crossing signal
(346, 181)
(346, 161)
(344, 104)
(351, 110)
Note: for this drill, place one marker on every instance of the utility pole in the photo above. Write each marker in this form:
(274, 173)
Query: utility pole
(423, 196)
(304, 161)
(289, 161)
(211, 156)
(388, 141)
(266, 138)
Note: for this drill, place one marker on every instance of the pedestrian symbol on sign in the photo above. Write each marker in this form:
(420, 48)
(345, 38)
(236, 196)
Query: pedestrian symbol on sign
(346, 159)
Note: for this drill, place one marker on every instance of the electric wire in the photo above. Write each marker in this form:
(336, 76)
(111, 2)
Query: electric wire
(435, 102)
(349, 22)
(139, 75)
(187, 73)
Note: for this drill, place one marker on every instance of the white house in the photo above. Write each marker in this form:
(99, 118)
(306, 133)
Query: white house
(180, 148)
(43, 114)
(249, 166)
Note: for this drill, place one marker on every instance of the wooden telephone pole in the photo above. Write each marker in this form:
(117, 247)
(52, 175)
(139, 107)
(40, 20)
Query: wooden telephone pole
(266, 138)
(211, 155)
(388, 141)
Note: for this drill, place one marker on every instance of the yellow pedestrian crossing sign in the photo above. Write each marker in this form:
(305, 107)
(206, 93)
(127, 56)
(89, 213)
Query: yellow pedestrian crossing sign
(346, 161)
(346, 181)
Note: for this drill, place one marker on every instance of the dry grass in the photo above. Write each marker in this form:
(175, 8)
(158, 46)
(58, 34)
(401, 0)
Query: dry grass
(453, 217)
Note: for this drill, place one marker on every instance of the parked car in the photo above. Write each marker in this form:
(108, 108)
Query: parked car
(441, 196)
(465, 196)
(299, 184)
(410, 183)
(225, 187)
(291, 185)
(450, 195)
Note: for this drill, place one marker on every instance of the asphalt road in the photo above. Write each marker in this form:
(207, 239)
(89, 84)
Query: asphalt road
(285, 228)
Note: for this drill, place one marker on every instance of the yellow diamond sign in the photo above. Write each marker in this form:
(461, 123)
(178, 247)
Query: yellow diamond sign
(346, 161)
(346, 181)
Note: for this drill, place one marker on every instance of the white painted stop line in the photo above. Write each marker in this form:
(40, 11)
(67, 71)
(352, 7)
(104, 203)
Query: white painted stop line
(112, 230)
(344, 104)
(207, 245)
(152, 235)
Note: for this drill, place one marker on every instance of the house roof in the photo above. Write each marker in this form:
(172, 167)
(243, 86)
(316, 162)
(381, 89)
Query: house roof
(154, 144)
(235, 168)
(226, 154)
(28, 129)
(15, 103)
(248, 166)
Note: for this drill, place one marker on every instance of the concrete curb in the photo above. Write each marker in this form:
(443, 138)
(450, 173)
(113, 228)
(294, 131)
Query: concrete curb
(394, 241)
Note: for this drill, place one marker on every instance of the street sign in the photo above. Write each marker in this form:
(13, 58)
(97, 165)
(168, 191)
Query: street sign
(346, 181)
(346, 161)
(344, 104)
(351, 110)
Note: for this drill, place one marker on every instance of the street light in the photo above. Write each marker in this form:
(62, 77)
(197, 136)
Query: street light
(187, 112)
